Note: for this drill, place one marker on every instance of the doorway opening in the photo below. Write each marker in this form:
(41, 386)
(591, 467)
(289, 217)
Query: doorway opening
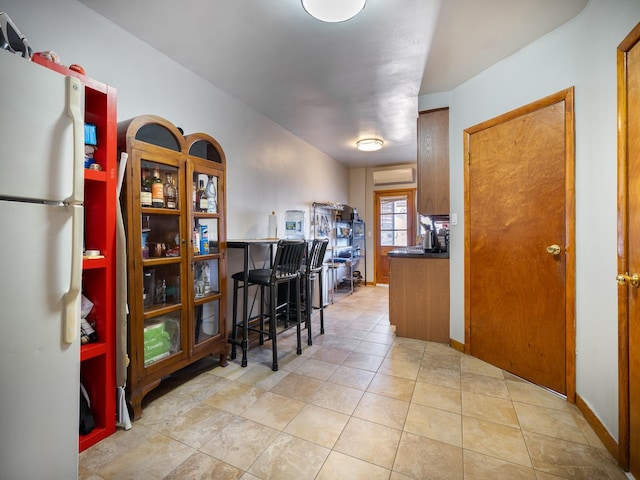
(395, 226)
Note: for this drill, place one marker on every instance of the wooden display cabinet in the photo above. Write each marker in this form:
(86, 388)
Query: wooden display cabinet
(97, 369)
(177, 283)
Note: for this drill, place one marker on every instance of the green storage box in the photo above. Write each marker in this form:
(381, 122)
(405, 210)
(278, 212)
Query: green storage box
(156, 343)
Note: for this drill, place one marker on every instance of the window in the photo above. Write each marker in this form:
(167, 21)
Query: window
(394, 221)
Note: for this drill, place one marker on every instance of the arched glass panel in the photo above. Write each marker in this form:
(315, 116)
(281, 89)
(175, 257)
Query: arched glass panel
(159, 135)
(206, 150)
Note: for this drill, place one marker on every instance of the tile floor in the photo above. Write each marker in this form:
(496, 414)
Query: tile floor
(358, 404)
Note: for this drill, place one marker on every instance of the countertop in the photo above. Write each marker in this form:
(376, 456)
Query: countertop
(416, 252)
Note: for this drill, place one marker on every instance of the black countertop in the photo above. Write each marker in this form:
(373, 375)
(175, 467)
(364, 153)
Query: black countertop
(416, 252)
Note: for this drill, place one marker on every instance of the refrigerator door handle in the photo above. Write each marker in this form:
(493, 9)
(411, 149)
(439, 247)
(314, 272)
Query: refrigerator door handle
(71, 322)
(75, 94)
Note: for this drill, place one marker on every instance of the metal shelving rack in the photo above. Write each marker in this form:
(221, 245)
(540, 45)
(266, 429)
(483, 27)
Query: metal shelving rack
(347, 242)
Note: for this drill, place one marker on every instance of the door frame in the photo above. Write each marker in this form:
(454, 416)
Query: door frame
(411, 219)
(566, 96)
(623, 247)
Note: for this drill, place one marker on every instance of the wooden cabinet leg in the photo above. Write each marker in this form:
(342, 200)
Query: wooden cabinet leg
(135, 401)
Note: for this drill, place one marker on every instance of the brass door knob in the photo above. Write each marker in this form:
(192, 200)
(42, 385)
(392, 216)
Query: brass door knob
(625, 278)
(554, 249)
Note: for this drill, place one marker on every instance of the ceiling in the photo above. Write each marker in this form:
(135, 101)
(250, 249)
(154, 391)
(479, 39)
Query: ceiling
(331, 84)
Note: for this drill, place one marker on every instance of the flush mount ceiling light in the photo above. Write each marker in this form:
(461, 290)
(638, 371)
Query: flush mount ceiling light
(369, 144)
(333, 10)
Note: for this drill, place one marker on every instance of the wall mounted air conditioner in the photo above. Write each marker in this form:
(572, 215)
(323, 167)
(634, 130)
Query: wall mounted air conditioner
(397, 175)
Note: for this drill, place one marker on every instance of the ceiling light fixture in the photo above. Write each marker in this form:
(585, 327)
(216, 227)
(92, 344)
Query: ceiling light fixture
(369, 144)
(333, 10)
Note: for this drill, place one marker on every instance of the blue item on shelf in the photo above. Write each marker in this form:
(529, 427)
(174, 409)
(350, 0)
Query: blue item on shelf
(90, 137)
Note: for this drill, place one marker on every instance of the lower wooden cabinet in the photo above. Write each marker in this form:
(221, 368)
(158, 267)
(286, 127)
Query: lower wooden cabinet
(419, 297)
(174, 202)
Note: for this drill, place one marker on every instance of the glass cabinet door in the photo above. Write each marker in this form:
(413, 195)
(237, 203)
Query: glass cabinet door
(160, 280)
(206, 302)
(206, 261)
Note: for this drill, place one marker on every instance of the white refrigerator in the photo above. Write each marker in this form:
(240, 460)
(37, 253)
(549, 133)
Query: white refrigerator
(41, 236)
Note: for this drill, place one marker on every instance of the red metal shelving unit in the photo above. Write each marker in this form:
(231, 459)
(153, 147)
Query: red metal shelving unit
(97, 359)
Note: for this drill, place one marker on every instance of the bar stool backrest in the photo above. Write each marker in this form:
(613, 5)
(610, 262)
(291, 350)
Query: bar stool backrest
(289, 255)
(316, 254)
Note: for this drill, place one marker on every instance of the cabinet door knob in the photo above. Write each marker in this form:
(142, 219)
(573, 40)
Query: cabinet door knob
(625, 278)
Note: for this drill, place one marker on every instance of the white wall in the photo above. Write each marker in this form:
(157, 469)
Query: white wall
(581, 53)
(268, 168)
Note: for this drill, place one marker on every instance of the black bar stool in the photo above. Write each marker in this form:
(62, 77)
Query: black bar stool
(239, 282)
(313, 272)
(285, 270)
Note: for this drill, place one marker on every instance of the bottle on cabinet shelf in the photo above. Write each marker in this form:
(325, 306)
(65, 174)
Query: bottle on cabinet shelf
(157, 190)
(195, 240)
(212, 201)
(161, 292)
(204, 240)
(201, 198)
(207, 283)
(145, 190)
(170, 192)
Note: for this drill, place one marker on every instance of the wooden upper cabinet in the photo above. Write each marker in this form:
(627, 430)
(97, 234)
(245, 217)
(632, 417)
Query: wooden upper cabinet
(433, 162)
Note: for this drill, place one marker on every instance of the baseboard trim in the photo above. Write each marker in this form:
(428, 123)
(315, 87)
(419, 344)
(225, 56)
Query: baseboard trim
(602, 433)
(456, 345)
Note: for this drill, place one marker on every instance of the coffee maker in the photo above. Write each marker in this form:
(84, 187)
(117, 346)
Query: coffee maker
(430, 242)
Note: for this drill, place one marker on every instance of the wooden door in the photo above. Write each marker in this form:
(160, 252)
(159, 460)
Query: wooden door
(395, 226)
(519, 242)
(629, 249)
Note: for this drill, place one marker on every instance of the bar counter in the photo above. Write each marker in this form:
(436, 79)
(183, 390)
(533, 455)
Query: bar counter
(419, 294)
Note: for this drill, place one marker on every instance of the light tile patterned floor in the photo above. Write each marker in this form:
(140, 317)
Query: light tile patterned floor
(358, 404)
